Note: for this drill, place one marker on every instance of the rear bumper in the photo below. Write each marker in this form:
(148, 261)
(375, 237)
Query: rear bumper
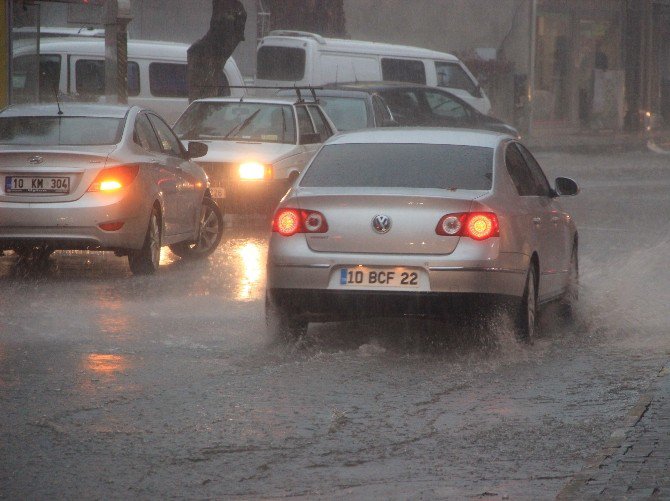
(326, 306)
(75, 225)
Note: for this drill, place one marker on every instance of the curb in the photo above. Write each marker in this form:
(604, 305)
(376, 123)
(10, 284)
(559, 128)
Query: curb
(613, 445)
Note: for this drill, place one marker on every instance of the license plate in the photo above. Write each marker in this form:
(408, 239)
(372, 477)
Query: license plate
(37, 184)
(217, 192)
(366, 277)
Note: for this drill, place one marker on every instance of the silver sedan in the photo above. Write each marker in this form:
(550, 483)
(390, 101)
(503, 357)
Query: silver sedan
(420, 221)
(99, 177)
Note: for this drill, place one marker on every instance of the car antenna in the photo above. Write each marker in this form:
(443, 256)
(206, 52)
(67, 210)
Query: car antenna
(53, 87)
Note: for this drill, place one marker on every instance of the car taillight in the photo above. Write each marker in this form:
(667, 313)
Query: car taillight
(475, 225)
(289, 221)
(114, 178)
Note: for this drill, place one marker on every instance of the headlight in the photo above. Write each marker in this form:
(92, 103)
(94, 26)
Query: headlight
(255, 171)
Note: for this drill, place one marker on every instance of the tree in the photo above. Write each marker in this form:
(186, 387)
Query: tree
(325, 17)
(207, 56)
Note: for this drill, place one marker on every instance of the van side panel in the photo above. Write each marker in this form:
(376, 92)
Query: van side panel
(341, 68)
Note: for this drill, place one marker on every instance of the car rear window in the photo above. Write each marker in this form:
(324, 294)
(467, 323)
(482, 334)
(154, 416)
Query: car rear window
(280, 63)
(57, 131)
(346, 113)
(401, 166)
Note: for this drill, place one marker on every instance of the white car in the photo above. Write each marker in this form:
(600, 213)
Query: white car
(432, 222)
(257, 146)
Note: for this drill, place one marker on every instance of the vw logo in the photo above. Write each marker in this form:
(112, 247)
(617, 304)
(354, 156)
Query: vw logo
(381, 223)
(36, 160)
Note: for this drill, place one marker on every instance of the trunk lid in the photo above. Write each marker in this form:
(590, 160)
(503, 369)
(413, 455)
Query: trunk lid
(45, 171)
(413, 214)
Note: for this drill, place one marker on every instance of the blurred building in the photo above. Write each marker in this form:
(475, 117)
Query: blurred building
(547, 65)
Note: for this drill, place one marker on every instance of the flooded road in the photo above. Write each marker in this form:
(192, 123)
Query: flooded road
(119, 386)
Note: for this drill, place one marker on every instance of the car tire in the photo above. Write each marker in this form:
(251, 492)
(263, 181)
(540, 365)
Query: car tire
(571, 295)
(210, 233)
(282, 325)
(526, 321)
(145, 261)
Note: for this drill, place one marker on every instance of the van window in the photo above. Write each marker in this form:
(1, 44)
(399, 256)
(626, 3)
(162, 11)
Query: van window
(90, 77)
(24, 78)
(168, 80)
(451, 75)
(281, 63)
(403, 70)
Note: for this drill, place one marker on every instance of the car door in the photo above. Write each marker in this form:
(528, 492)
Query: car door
(534, 217)
(558, 224)
(187, 195)
(162, 176)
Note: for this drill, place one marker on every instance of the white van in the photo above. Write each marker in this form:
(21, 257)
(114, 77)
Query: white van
(295, 58)
(75, 66)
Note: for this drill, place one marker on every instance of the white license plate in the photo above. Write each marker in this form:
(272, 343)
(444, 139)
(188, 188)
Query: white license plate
(37, 184)
(217, 192)
(366, 277)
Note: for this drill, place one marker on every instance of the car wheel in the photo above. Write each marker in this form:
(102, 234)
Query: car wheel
(526, 323)
(209, 233)
(145, 261)
(571, 294)
(282, 325)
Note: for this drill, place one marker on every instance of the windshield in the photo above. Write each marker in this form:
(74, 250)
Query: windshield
(346, 113)
(271, 123)
(402, 166)
(61, 131)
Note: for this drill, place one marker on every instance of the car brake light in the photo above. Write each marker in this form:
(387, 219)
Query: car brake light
(475, 225)
(114, 178)
(289, 221)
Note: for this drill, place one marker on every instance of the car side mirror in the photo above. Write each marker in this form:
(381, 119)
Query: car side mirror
(566, 187)
(310, 138)
(197, 149)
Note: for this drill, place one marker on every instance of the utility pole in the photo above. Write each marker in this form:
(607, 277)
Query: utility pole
(117, 17)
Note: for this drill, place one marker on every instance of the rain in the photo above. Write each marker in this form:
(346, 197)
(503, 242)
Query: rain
(116, 384)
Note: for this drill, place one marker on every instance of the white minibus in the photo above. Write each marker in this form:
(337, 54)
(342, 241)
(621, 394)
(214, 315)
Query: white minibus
(295, 58)
(74, 66)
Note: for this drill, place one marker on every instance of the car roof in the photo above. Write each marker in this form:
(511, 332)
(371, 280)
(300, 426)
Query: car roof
(251, 100)
(332, 92)
(378, 86)
(421, 135)
(68, 109)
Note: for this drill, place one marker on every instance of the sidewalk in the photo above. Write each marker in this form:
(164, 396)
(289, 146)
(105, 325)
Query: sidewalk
(635, 462)
(597, 141)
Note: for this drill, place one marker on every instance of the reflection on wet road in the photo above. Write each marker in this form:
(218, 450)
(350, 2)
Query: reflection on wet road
(113, 385)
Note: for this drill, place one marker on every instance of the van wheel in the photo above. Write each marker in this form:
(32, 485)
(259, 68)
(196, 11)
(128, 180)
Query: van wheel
(146, 260)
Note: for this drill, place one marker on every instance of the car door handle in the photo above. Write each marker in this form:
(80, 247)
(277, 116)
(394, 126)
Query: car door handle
(154, 161)
(537, 220)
